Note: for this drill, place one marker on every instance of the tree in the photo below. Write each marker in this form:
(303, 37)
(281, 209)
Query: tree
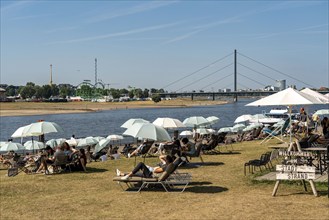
(27, 91)
(138, 93)
(38, 92)
(85, 91)
(11, 91)
(156, 98)
(46, 91)
(115, 93)
(146, 93)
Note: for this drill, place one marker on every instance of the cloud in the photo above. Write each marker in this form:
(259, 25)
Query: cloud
(29, 17)
(133, 10)
(303, 30)
(200, 28)
(61, 29)
(15, 5)
(119, 34)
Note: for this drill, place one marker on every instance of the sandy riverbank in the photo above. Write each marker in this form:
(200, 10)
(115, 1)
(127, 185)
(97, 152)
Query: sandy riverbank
(41, 108)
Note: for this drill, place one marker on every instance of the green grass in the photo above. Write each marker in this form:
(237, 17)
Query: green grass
(219, 190)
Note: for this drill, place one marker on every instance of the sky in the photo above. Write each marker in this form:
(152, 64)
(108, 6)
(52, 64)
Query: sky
(175, 45)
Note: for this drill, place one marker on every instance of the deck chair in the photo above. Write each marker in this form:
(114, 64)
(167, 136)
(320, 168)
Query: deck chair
(60, 164)
(262, 161)
(144, 151)
(168, 180)
(197, 153)
(277, 131)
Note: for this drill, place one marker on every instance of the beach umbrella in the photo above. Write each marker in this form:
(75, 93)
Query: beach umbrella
(212, 119)
(202, 131)
(148, 131)
(316, 94)
(242, 118)
(19, 132)
(88, 141)
(195, 121)
(225, 130)
(114, 137)
(169, 123)
(99, 138)
(288, 97)
(322, 112)
(133, 121)
(34, 145)
(40, 128)
(102, 144)
(12, 146)
(186, 133)
(252, 126)
(238, 127)
(73, 141)
(55, 142)
(211, 131)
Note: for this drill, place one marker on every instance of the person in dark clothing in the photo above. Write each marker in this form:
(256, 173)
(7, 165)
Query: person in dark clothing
(325, 127)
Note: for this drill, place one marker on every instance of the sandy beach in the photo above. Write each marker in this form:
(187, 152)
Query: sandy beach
(42, 108)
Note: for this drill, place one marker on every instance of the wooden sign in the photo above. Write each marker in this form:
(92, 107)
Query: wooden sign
(296, 153)
(295, 176)
(295, 168)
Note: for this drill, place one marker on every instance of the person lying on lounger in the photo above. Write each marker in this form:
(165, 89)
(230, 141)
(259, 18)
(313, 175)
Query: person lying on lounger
(146, 171)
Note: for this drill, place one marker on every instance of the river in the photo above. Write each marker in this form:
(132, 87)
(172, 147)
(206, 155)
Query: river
(104, 123)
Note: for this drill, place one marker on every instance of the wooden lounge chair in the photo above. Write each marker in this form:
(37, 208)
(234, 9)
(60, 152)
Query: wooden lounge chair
(168, 180)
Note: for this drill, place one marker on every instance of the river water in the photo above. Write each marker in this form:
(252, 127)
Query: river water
(104, 123)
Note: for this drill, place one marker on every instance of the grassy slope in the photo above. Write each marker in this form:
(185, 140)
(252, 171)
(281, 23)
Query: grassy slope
(219, 191)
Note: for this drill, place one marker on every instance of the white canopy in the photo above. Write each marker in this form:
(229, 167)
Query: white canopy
(316, 94)
(287, 97)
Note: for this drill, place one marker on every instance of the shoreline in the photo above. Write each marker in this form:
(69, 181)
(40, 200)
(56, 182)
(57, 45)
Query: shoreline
(40, 108)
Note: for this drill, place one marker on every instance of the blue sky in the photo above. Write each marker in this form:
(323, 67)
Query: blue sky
(154, 44)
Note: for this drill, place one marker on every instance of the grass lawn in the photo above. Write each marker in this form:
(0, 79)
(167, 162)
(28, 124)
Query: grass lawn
(219, 190)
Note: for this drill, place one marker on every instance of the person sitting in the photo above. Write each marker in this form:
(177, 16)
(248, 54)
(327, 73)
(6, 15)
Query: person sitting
(88, 154)
(170, 145)
(188, 148)
(210, 143)
(103, 158)
(143, 170)
(325, 127)
(139, 149)
(126, 149)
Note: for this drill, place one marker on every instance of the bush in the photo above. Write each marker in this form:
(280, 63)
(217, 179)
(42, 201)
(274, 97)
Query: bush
(156, 98)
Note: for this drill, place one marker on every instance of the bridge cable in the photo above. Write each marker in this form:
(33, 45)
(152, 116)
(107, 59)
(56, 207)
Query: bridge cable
(277, 70)
(257, 72)
(253, 80)
(198, 80)
(246, 87)
(216, 81)
(216, 61)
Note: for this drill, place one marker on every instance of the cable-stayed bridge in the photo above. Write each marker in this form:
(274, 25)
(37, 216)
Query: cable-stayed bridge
(222, 71)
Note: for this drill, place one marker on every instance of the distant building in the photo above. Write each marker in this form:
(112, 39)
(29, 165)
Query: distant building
(226, 90)
(2, 94)
(280, 85)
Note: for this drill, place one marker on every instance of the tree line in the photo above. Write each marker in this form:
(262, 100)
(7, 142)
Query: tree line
(33, 91)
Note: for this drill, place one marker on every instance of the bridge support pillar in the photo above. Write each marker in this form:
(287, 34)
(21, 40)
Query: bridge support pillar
(192, 96)
(213, 96)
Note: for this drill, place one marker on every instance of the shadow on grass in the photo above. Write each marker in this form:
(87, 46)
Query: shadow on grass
(199, 164)
(206, 189)
(95, 170)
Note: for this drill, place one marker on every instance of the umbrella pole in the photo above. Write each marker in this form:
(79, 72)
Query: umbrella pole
(290, 124)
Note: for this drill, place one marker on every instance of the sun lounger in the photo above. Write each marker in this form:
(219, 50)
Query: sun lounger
(168, 180)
